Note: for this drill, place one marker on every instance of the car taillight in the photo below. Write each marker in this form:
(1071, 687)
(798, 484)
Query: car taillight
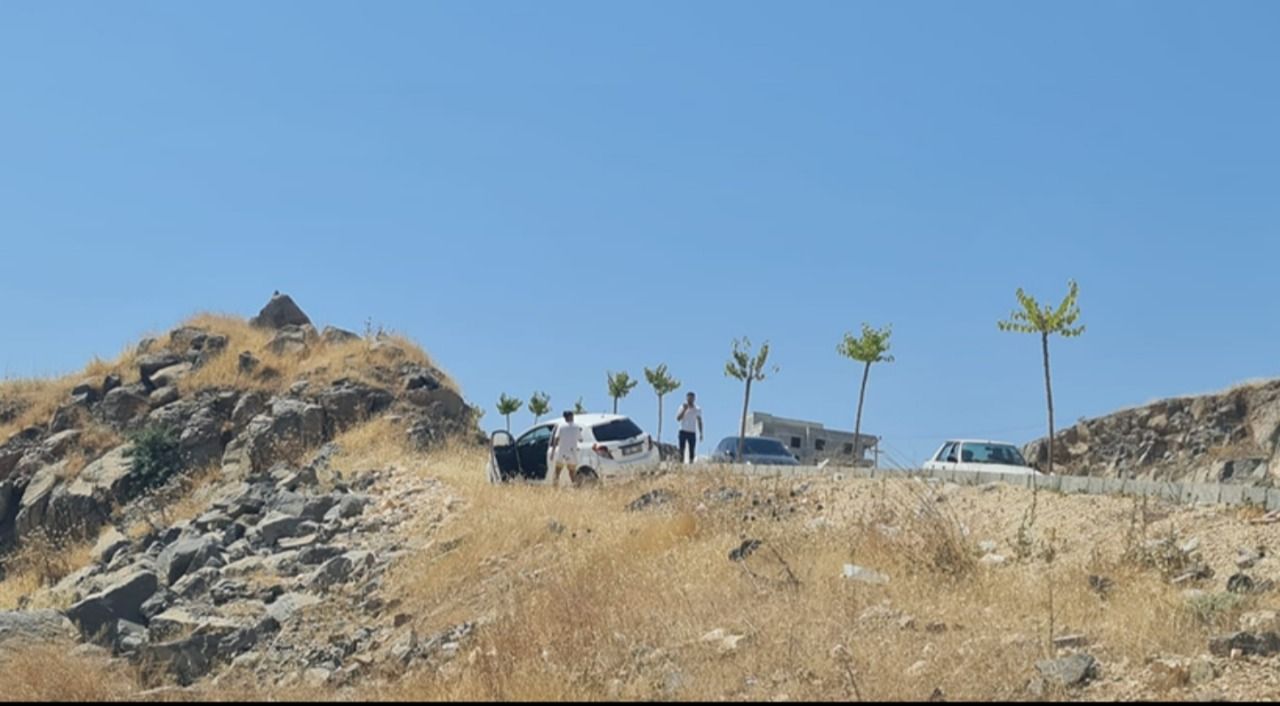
(602, 451)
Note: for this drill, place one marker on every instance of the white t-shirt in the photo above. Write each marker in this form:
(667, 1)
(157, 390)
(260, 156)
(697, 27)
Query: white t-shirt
(569, 435)
(691, 417)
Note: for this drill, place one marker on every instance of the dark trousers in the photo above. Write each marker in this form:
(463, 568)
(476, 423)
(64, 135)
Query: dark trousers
(690, 439)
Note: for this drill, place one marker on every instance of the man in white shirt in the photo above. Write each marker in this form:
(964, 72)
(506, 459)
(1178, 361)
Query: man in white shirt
(564, 448)
(690, 418)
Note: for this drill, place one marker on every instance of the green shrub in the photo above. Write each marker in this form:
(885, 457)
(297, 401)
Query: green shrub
(154, 456)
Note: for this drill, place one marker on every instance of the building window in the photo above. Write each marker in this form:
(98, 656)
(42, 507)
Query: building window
(795, 442)
(848, 448)
(819, 444)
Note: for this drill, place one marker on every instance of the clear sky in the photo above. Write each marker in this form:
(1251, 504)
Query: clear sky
(540, 192)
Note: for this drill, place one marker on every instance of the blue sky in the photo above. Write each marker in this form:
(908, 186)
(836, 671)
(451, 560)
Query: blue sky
(539, 192)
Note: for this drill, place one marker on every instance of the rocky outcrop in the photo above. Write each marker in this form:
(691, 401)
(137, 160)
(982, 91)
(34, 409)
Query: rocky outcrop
(270, 543)
(281, 311)
(1230, 437)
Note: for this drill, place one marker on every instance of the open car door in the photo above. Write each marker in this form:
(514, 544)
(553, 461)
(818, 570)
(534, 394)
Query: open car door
(503, 463)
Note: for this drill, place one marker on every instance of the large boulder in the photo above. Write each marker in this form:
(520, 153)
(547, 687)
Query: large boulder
(152, 363)
(347, 403)
(18, 627)
(281, 311)
(289, 427)
(123, 405)
(96, 614)
(292, 340)
(8, 502)
(333, 335)
(201, 439)
(35, 499)
(188, 554)
(111, 476)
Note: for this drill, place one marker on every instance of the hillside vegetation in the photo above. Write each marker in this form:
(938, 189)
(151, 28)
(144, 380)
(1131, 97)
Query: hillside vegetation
(339, 541)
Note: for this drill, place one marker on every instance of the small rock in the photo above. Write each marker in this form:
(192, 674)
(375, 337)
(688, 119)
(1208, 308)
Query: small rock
(1246, 558)
(1246, 643)
(992, 560)
(745, 550)
(1073, 670)
(1066, 641)
(653, 498)
(1203, 671)
(862, 574)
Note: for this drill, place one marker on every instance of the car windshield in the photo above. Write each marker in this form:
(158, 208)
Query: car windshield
(765, 447)
(616, 430)
(1002, 454)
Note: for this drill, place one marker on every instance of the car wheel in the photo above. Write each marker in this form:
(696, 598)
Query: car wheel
(585, 478)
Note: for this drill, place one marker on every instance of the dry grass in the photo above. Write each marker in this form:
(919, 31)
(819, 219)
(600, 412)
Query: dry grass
(38, 398)
(322, 363)
(40, 561)
(616, 604)
(378, 443)
(52, 673)
(182, 498)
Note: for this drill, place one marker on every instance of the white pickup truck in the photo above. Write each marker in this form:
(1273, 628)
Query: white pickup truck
(980, 455)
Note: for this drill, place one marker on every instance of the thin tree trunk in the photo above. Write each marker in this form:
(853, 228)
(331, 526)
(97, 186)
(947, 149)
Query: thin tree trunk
(615, 405)
(1048, 393)
(857, 424)
(659, 422)
(508, 423)
(742, 430)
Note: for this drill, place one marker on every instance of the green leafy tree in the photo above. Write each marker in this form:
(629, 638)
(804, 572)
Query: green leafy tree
(620, 385)
(871, 347)
(578, 407)
(662, 383)
(1045, 321)
(508, 406)
(539, 404)
(748, 368)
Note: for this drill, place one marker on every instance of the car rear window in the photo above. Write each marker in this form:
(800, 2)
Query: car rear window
(617, 430)
(766, 447)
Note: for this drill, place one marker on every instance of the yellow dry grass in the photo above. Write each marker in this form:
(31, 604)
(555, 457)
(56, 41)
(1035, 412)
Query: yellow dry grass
(615, 605)
(322, 363)
(41, 561)
(38, 398)
(53, 673)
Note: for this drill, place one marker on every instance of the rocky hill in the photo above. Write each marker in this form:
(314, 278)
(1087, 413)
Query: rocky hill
(229, 423)
(1228, 437)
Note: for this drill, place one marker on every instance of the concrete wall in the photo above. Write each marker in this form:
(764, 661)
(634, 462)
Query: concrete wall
(1184, 493)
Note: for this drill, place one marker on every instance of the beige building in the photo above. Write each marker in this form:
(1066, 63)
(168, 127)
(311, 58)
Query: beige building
(811, 442)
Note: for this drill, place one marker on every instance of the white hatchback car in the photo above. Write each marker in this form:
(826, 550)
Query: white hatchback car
(980, 455)
(611, 444)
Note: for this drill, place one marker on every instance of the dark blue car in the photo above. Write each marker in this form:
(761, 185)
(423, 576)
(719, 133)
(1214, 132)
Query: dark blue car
(758, 451)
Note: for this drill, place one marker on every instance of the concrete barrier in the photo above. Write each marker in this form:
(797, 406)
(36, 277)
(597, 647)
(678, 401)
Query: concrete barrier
(1074, 484)
(1183, 493)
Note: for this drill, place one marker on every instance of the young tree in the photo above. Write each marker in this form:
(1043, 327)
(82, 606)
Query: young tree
(743, 366)
(620, 385)
(539, 404)
(1046, 320)
(508, 406)
(871, 347)
(578, 408)
(662, 383)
